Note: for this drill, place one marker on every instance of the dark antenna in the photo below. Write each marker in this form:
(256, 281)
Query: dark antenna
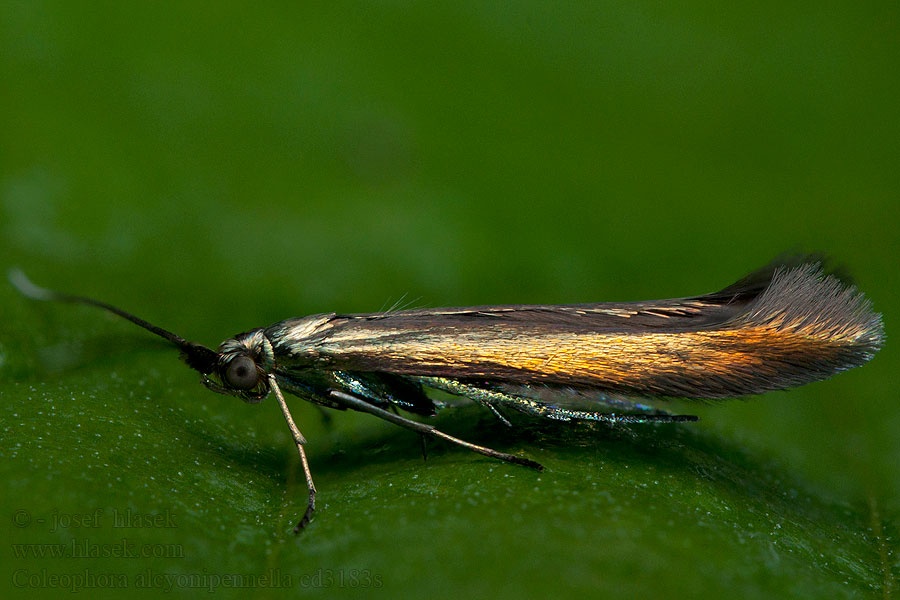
(196, 356)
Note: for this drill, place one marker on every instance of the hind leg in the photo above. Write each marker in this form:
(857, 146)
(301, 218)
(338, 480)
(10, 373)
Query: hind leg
(495, 399)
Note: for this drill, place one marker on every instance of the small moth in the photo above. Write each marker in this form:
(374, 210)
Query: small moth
(784, 325)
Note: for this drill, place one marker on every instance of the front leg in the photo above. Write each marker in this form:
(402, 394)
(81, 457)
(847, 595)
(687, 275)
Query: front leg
(299, 440)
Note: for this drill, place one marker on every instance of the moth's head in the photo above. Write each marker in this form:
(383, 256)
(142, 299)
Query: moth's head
(241, 367)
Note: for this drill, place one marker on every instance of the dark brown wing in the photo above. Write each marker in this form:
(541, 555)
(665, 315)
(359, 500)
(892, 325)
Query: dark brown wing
(779, 327)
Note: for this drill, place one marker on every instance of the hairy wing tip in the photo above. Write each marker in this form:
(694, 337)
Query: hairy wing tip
(808, 300)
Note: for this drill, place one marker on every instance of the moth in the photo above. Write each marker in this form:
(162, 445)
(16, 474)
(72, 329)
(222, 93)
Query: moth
(785, 325)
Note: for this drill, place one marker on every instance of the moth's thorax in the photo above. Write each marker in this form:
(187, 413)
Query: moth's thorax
(296, 340)
(254, 344)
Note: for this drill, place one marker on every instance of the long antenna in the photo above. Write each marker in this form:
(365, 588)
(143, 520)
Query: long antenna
(196, 356)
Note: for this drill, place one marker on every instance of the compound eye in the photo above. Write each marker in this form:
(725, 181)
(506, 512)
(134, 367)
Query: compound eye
(241, 373)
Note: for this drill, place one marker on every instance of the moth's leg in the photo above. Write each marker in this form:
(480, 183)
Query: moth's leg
(492, 398)
(497, 414)
(386, 390)
(616, 404)
(351, 401)
(454, 387)
(299, 440)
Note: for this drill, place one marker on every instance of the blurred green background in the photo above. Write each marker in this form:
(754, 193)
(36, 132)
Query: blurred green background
(218, 167)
